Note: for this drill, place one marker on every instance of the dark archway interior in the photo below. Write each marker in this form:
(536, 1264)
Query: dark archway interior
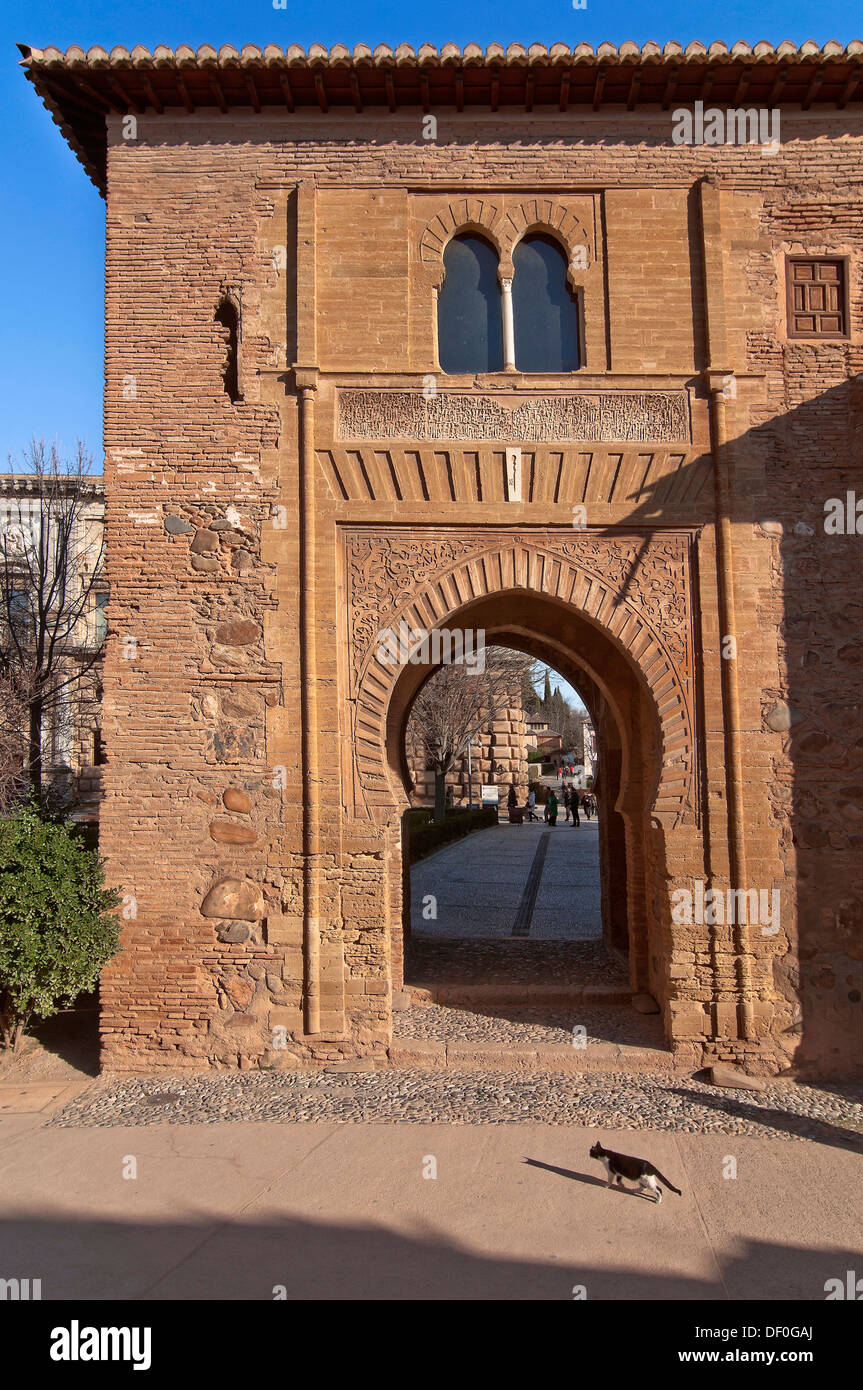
(628, 736)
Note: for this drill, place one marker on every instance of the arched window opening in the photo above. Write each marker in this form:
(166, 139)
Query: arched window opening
(545, 308)
(228, 317)
(470, 333)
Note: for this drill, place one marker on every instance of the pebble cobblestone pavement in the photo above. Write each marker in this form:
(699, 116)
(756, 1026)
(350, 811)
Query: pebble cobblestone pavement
(671, 1102)
(534, 1026)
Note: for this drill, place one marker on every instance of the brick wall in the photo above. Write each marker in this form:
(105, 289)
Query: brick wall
(316, 224)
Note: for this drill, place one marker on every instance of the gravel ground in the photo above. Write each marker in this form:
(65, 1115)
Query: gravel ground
(602, 1101)
(439, 1023)
(465, 962)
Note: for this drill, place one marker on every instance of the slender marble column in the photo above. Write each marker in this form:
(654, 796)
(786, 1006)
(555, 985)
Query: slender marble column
(508, 325)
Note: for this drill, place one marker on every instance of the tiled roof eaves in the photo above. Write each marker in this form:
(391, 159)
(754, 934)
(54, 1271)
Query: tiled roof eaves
(472, 54)
(81, 87)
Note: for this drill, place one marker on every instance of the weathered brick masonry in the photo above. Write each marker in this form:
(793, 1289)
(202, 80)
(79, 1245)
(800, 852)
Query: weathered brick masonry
(254, 792)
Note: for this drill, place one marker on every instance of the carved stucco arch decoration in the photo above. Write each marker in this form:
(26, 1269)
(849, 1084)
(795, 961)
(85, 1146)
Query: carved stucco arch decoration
(634, 589)
(459, 216)
(545, 215)
(504, 231)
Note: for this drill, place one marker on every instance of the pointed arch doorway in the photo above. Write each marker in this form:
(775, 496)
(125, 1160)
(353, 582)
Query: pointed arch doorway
(612, 614)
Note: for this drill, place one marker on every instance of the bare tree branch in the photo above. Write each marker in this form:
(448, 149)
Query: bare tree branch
(51, 550)
(456, 704)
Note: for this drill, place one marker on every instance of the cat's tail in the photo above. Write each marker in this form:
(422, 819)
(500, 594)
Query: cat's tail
(669, 1185)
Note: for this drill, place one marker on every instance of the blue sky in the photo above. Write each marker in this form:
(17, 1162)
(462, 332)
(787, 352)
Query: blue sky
(52, 230)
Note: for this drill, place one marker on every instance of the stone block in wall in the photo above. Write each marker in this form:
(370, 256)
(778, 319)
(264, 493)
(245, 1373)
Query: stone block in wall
(688, 1019)
(725, 1012)
(289, 1019)
(361, 907)
(284, 928)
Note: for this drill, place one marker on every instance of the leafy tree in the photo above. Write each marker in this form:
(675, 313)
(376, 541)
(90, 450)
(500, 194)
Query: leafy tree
(57, 927)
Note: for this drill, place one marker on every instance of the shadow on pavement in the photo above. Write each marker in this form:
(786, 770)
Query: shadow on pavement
(240, 1259)
(801, 1126)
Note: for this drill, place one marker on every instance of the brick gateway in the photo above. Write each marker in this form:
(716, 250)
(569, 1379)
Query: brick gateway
(289, 469)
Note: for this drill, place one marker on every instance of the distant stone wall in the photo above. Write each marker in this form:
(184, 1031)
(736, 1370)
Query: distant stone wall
(503, 745)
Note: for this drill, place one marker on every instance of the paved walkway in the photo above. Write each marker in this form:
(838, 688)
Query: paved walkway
(403, 1212)
(532, 882)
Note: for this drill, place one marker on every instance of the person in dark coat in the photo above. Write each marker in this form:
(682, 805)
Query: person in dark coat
(552, 808)
(575, 800)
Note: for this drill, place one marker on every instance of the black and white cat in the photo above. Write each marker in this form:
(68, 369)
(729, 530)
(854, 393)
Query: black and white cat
(620, 1166)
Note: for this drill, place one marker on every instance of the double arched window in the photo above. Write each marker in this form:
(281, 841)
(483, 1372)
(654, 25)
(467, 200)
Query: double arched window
(530, 323)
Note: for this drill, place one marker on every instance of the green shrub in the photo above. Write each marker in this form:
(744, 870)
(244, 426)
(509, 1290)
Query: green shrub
(57, 928)
(424, 837)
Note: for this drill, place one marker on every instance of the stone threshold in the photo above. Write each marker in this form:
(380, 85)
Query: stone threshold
(463, 1055)
(513, 994)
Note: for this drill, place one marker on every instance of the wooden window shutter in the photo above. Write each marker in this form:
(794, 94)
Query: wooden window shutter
(817, 291)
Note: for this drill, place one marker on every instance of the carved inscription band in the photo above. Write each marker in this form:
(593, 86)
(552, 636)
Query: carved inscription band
(598, 416)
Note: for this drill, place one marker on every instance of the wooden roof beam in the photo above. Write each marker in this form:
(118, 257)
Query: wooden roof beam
(670, 86)
(321, 91)
(776, 89)
(425, 94)
(356, 95)
(184, 93)
(599, 83)
(565, 80)
(848, 90)
(216, 89)
(82, 104)
(814, 83)
(742, 83)
(635, 83)
(391, 90)
(252, 91)
(123, 96)
(151, 95)
(85, 87)
(285, 84)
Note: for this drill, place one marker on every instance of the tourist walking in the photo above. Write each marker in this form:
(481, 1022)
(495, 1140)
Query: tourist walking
(567, 797)
(575, 799)
(552, 808)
